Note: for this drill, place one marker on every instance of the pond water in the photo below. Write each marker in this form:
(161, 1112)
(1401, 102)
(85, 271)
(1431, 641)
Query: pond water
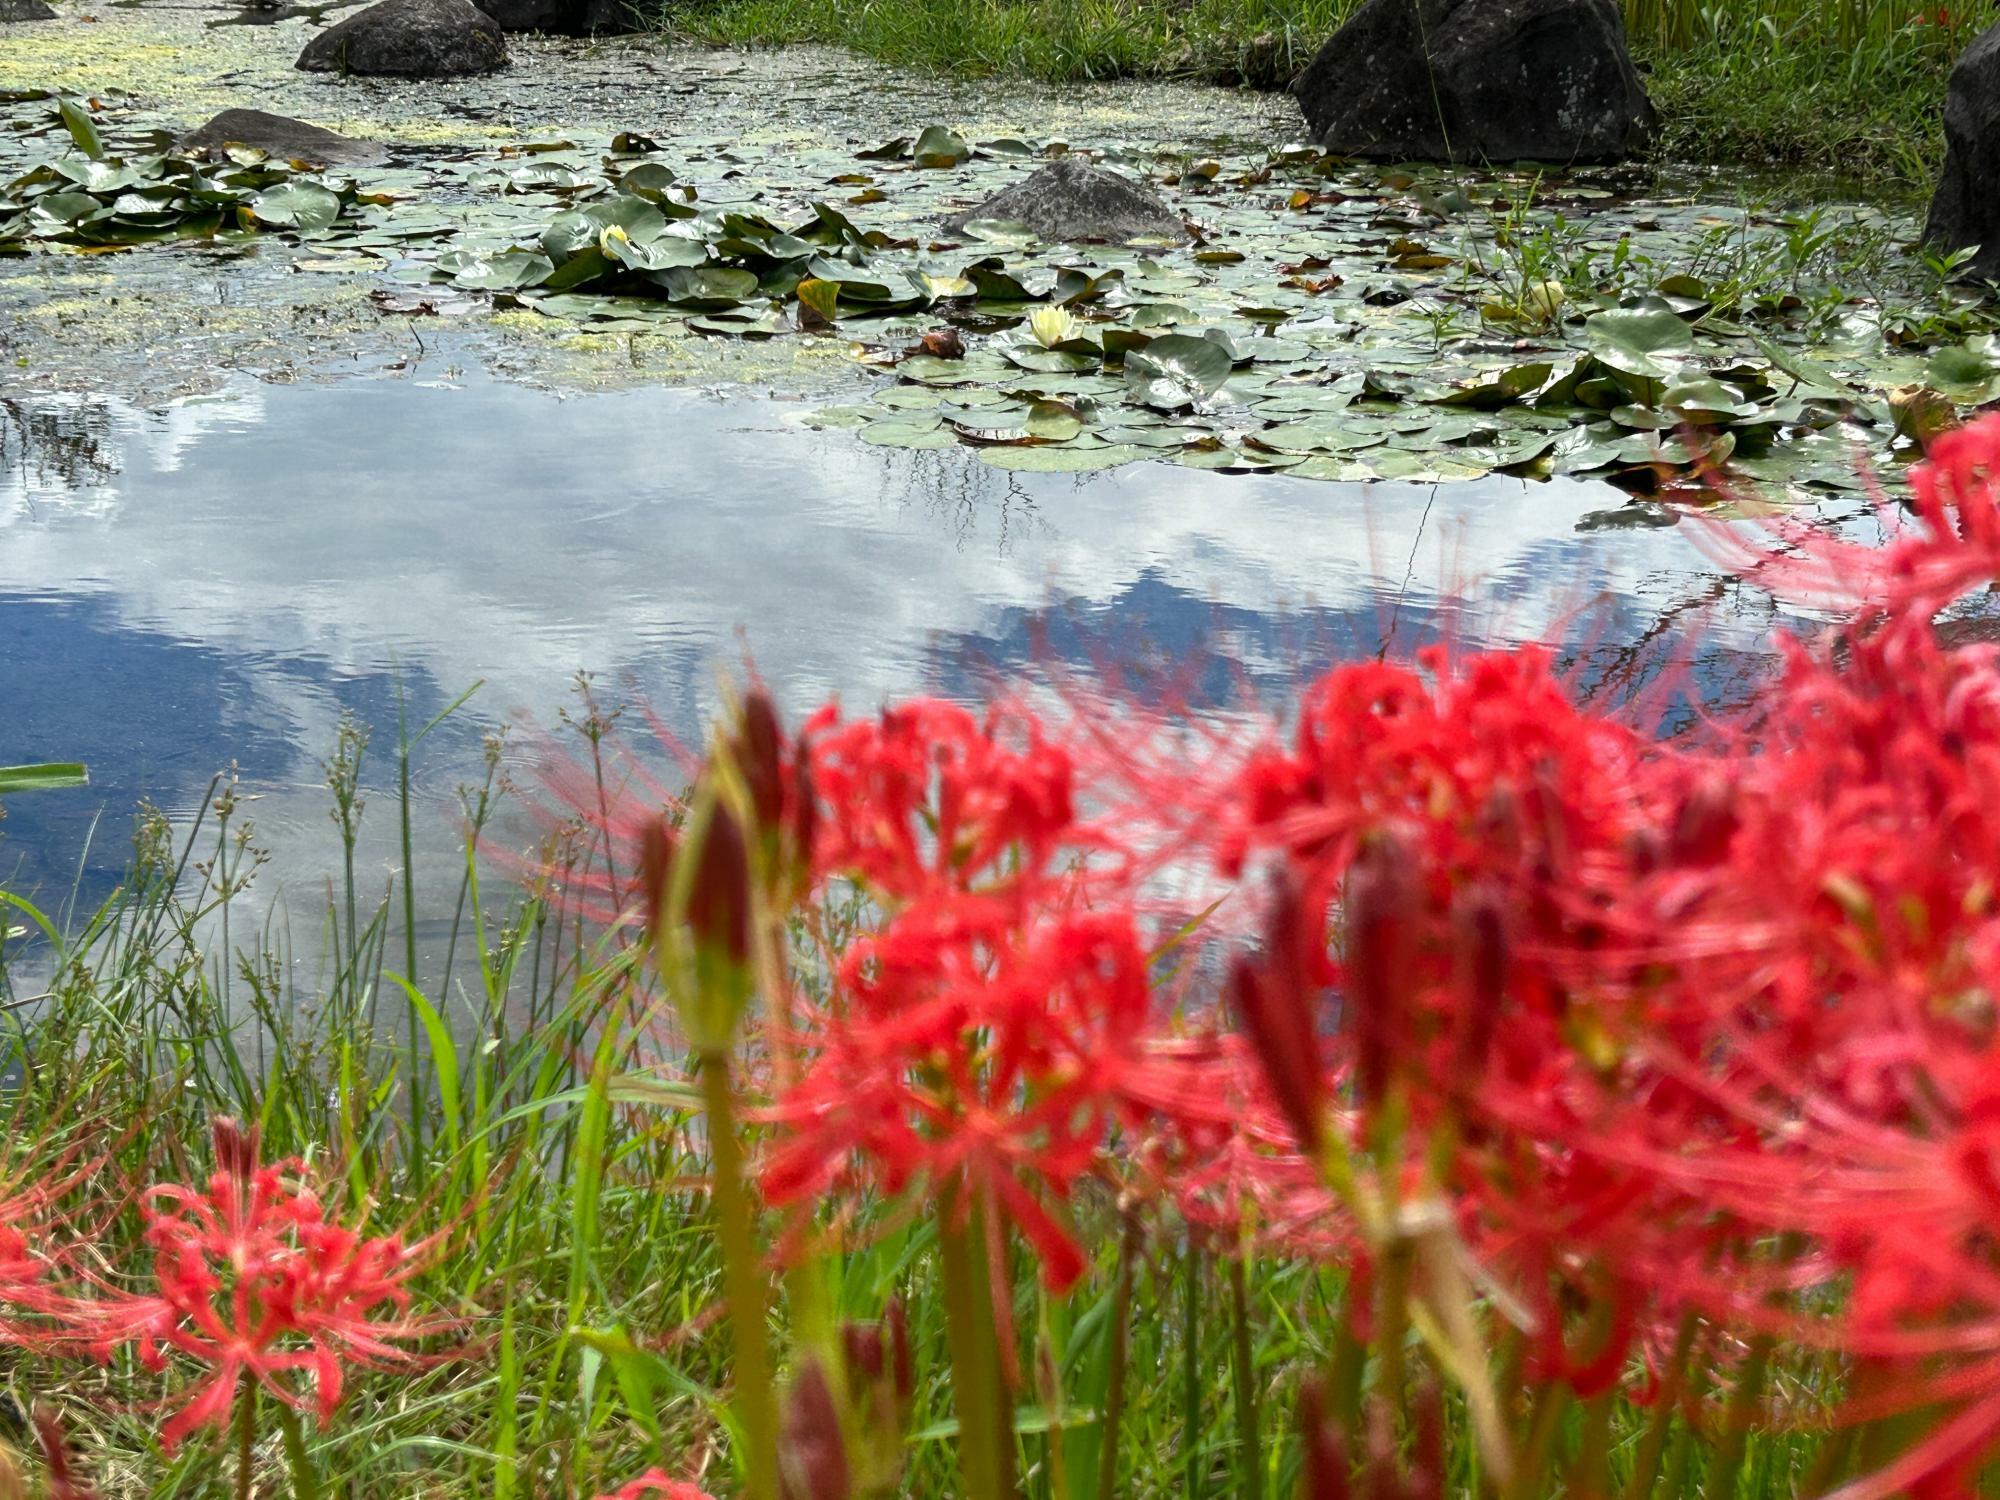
(215, 581)
(243, 492)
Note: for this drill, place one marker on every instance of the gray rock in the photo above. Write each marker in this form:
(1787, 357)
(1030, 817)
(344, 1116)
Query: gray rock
(409, 39)
(279, 135)
(563, 17)
(25, 10)
(1071, 200)
(1965, 211)
(1479, 80)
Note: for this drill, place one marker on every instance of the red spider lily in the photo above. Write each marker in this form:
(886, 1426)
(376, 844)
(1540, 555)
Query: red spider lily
(253, 1280)
(970, 1055)
(655, 1484)
(929, 799)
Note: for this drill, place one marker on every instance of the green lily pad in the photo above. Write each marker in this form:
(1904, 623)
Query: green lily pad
(1175, 371)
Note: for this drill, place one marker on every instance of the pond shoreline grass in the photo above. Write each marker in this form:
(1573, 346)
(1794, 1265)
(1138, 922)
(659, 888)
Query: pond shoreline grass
(1854, 87)
(507, 1106)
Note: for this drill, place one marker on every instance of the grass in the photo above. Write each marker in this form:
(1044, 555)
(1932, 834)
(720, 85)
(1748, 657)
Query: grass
(507, 1097)
(1850, 86)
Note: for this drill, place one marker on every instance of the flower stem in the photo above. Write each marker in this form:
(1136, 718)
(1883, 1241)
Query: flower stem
(975, 1368)
(1250, 1455)
(743, 1281)
(1646, 1464)
(246, 1441)
(1191, 1372)
(305, 1479)
(1734, 1439)
(1121, 1339)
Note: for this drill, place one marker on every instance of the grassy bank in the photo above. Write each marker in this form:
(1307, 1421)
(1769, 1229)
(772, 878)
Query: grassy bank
(1855, 86)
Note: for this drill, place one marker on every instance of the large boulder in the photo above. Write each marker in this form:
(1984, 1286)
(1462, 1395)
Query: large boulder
(1070, 200)
(25, 10)
(1478, 80)
(276, 135)
(563, 17)
(409, 39)
(1965, 211)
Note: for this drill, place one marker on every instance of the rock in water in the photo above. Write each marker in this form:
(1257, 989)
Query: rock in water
(563, 17)
(24, 10)
(409, 39)
(276, 135)
(1965, 211)
(1071, 200)
(1478, 80)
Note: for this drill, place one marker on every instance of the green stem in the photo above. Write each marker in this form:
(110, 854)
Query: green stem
(1191, 1372)
(1646, 1462)
(743, 1280)
(1533, 1478)
(1734, 1439)
(975, 1367)
(246, 1440)
(1251, 1484)
(1590, 1473)
(305, 1478)
(1121, 1338)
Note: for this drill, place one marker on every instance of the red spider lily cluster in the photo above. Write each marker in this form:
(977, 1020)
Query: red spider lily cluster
(1607, 1064)
(251, 1283)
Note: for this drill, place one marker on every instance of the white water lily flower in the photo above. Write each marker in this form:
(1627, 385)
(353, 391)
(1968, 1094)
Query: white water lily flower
(1051, 325)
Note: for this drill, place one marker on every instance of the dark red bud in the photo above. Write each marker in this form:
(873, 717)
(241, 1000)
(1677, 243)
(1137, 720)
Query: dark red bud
(718, 911)
(812, 1457)
(656, 863)
(1327, 1461)
(1707, 822)
(805, 805)
(866, 1356)
(760, 759)
(897, 1322)
(1278, 1018)
(1427, 1472)
(1480, 920)
(1384, 908)
(235, 1147)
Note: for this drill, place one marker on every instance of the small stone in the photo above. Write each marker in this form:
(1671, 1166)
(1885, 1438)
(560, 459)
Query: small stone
(409, 39)
(275, 135)
(1070, 200)
(1965, 211)
(1479, 80)
(25, 10)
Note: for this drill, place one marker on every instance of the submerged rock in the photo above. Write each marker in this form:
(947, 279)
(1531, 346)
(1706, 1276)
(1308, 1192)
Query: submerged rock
(25, 10)
(1965, 211)
(1071, 200)
(1478, 80)
(409, 39)
(563, 17)
(277, 135)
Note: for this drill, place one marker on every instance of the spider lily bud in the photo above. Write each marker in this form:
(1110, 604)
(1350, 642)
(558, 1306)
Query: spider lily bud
(812, 1449)
(1707, 823)
(1277, 1003)
(1383, 909)
(758, 753)
(236, 1149)
(1480, 921)
(698, 913)
(881, 1390)
(1327, 1461)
